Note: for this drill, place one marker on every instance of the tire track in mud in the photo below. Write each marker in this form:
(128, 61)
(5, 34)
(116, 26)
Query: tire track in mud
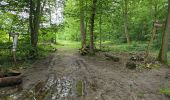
(92, 84)
(99, 83)
(63, 86)
(76, 70)
(89, 79)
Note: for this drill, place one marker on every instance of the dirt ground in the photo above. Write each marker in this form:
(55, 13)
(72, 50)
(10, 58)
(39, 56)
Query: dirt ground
(65, 75)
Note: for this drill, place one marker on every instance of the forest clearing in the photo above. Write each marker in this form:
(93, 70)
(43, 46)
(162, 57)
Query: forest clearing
(84, 50)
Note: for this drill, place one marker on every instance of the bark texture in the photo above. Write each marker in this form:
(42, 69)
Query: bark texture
(82, 25)
(92, 18)
(165, 39)
(126, 22)
(34, 23)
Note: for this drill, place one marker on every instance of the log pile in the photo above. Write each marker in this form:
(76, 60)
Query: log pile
(135, 60)
(84, 51)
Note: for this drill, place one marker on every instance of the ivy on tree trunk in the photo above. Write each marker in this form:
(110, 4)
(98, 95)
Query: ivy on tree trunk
(34, 23)
(92, 18)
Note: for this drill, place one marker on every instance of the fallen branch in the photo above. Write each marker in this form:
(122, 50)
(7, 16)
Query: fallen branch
(111, 57)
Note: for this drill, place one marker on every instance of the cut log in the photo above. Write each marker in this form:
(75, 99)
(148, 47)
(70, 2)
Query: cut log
(10, 79)
(84, 51)
(111, 57)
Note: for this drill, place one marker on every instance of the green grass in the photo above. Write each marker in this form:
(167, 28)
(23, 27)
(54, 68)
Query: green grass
(141, 94)
(68, 44)
(79, 88)
(134, 46)
(165, 91)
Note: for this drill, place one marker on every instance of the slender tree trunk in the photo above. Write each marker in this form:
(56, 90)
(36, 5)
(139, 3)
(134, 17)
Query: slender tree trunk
(55, 37)
(92, 18)
(82, 27)
(37, 21)
(154, 31)
(165, 39)
(100, 26)
(126, 21)
(86, 19)
(150, 44)
(31, 21)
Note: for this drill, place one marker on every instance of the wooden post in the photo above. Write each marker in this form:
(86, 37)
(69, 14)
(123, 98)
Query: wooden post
(14, 45)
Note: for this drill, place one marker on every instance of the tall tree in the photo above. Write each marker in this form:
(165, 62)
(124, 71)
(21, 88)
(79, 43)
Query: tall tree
(126, 21)
(34, 23)
(100, 24)
(82, 26)
(92, 19)
(165, 39)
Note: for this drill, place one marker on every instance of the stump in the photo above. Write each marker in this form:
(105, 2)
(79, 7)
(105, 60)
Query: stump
(131, 65)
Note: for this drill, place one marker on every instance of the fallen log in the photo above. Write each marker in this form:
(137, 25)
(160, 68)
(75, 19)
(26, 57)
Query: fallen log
(111, 57)
(10, 79)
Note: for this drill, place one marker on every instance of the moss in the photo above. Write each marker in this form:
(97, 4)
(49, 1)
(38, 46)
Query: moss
(140, 94)
(5, 98)
(79, 88)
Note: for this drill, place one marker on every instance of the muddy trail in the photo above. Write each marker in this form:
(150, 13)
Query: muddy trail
(69, 76)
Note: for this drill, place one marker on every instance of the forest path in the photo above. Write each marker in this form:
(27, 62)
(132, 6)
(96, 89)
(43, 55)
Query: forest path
(65, 75)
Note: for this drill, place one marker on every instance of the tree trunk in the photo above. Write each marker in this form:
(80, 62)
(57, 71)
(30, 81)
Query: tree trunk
(126, 21)
(92, 18)
(86, 19)
(100, 25)
(31, 21)
(82, 27)
(34, 21)
(154, 31)
(165, 39)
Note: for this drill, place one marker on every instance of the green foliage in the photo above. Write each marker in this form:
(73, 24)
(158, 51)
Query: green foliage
(135, 46)
(68, 44)
(70, 31)
(141, 16)
(140, 19)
